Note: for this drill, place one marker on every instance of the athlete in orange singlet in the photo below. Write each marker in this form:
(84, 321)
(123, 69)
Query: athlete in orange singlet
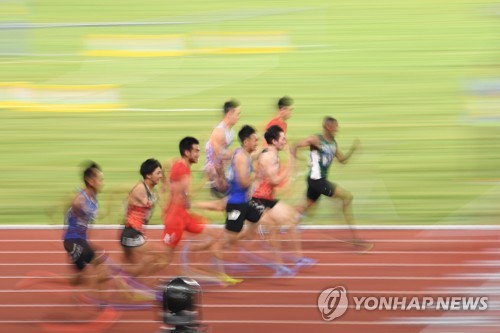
(141, 200)
(269, 176)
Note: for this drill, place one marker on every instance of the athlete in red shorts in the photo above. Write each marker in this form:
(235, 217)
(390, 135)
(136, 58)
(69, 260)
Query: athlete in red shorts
(176, 215)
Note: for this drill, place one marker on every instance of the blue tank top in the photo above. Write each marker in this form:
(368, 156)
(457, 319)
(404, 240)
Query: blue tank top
(77, 225)
(237, 193)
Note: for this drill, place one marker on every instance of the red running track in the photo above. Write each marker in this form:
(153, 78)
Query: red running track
(403, 263)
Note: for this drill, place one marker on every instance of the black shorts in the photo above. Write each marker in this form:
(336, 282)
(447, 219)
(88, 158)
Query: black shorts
(264, 202)
(132, 238)
(318, 187)
(79, 251)
(238, 213)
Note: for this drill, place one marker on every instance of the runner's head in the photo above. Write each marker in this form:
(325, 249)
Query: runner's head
(92, 176)
(151, 170)
(285, 107)
(232, 112)
(276, 137)
(248, 138)
(330, 125)
(189, 148)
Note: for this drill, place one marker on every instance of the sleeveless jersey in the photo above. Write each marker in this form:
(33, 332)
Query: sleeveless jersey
(211, 158)
(137, 216)
(237, 194)
(277, 121)
(264, 189)
(78, 225)
(321, 158)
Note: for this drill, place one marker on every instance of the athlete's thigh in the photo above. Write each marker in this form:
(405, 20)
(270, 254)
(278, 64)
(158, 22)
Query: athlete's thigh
(341, 193)
(283, 213)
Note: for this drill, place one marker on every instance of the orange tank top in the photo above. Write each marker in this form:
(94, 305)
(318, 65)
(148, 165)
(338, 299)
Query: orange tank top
(137, 216)
(264, 189)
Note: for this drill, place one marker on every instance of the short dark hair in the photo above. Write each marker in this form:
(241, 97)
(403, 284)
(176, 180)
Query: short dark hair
(230, 105)
(187, 144)
(90, 170)
(285, 101)
(149, 166)
(273, 133)
(245, 132)
(328, 119)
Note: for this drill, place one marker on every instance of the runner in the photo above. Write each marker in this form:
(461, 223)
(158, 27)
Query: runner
(239, 206)
(279, 214)
(217, 149)
(323, 149)
(177, 218)
(143, 257)
(81, 213)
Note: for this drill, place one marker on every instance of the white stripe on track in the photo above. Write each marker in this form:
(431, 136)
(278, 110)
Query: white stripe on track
(439, 291)
(301, 277)
(333, 240)
(317, 264)
(304, 227)
(477, 321)
(496, 251)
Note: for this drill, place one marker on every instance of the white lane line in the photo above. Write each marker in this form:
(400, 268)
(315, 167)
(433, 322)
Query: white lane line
(304, 227)
(477, 321)
(485, 276)
(333, 240)
(491, 306)
(496, 251)
(317, 264)
(214, 306)
(439, 291)
(298, 277)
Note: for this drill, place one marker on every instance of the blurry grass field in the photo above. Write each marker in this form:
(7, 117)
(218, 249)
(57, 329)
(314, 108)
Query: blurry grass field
(392, 72)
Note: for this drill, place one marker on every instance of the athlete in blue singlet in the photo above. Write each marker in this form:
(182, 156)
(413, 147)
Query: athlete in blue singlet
(240, 206)
(81, 213)
(241, 178)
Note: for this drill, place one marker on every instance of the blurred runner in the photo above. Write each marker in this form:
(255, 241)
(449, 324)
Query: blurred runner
(177, 218)
(279, 214)
(216, 149)
(82, 212)
(143, 257)
(323, 149)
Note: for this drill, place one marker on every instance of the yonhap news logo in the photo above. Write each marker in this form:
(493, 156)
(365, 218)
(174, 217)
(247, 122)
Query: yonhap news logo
(333, 303)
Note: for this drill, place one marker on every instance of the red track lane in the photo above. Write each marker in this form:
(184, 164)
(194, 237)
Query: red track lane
(261, 303)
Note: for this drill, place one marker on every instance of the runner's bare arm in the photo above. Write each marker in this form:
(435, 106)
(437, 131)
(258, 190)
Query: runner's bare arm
(271, 168)
(138, 196)
(218, 141)
(308, 142)
(344, 158)
(241, 165)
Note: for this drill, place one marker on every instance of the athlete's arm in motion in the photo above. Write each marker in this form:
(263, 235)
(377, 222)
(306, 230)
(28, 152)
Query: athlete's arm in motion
(344, 158)
(138, 196)
(270, 167)
(245, 177)
(78, 206)
(218, 142)
(312, 141)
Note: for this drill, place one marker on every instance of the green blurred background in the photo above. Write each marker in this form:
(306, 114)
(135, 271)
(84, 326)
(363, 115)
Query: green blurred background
(415, 81)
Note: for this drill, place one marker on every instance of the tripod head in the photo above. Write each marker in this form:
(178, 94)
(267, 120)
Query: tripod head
(180, 305)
